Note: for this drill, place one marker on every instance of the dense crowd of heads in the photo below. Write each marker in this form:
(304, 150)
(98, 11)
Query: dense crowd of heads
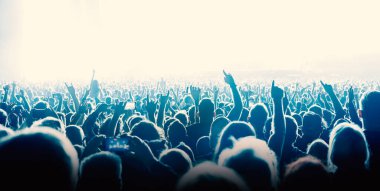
(168, 136)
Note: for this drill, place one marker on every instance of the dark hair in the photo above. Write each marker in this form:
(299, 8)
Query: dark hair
(39, 159)
(370, 106)
(234, 130)
(209, 176)
(312, 124)
(258, 115)
(177, 159)
(217, 127)
(75, 134)
(176, 133)
(100, 171)
(206, 110)
(146, 130)
(306, 173)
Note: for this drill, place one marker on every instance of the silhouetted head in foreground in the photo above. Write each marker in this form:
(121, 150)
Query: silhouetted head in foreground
(306, 173)
(176, 159)
(100, 171)
(206, 111)
(209, 176)
(233, 131)
(348, 149)
(252, 159)
(38, 159)
(257, 118)
(369, 110)
(75, 134)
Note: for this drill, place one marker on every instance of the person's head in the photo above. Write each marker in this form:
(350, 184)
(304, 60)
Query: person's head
(216, 129)
(38, 159)
(51, 122)
(258, 116)
(234, 131)
(253, 160)
(187, 150)
(75, 134)
(206, 111)
(316, 109)
(306, 173)
(348, 148)
(291, 130)
(203, 146)
(146, 130)
(312, 125)
(209, 176)
(100, 171)
(176, 133)
(318, 149)
(182, 117)
(188, 100)
(133, 120)
(3, 117)
(219, 112)
(177, 160)
(369, 110)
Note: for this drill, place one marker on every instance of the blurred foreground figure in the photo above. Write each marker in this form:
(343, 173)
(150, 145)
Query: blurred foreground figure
(38, 159)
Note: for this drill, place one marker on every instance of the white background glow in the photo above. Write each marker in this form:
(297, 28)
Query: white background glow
(66, 39)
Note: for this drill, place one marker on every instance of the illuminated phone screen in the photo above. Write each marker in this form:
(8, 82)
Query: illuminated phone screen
(117, 144)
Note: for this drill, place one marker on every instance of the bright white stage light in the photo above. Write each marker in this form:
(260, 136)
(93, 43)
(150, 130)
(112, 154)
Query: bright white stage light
(66, 40)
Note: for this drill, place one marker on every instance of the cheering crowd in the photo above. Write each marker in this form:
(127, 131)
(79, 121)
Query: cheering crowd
(264, 137)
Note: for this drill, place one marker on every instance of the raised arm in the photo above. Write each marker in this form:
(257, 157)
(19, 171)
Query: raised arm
(110, 129)
(25, 101)
(91, 120)
(71, 90)
(161, 110)
(215, 91)
(151, 107)
(276, 141)
(196, 94)
(13, 94)
(238, 104)
(339, 111)
(351, 108)
(6, 93)
(60, 101)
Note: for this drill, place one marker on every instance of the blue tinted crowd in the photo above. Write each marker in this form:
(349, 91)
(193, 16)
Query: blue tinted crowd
(300, 136)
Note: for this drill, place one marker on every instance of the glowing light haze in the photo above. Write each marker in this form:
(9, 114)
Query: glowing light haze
(66, 39)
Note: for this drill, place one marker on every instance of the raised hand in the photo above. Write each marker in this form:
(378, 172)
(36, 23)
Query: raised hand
(328, 88)
(164, 99)
(229, 79)
(70, 88)
(276, 92)
(119, 108)
(6, 88)
(151, 105)
(351, 95)
(196, 94)
(85, 95)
